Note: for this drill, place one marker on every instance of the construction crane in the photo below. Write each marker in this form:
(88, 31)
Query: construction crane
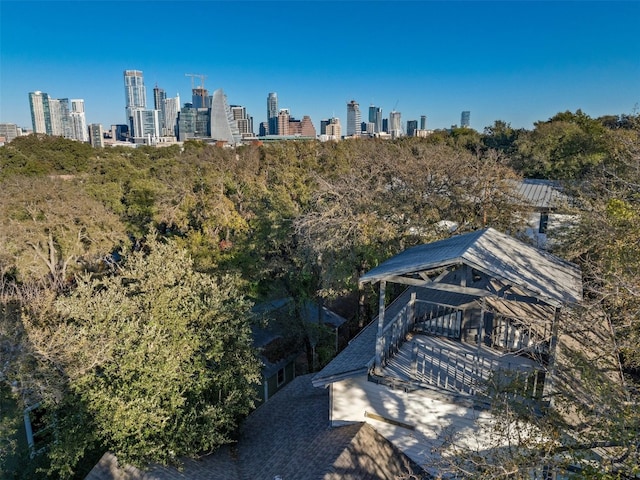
(199, 91)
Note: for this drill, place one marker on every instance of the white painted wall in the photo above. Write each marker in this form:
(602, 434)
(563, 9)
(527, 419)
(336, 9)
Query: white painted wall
(437, 421)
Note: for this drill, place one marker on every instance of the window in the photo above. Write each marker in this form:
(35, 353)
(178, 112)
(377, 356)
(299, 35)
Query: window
(281, 376)
(544, 222)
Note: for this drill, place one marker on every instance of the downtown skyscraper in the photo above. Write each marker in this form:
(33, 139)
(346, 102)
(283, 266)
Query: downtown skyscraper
(135, 98)
(134, 90)
(375, 117)
(144, 124)
(51, 116)
(395, 124)
(79, 130)
(465, 119)
(39, 106)
(353, 119)
(272, 113)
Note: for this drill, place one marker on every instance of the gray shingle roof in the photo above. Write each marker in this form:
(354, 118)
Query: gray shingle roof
(289, 436)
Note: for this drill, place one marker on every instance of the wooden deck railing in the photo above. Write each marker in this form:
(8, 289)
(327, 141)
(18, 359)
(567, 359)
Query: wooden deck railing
(402, 320)
(470, 373)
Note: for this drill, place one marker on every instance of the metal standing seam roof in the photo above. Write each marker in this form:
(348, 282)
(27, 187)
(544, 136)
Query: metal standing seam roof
(499, 255)
(488, 250)
(544, 194)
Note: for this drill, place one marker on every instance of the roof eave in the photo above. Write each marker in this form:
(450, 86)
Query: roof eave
(325, 381)
(373, 279)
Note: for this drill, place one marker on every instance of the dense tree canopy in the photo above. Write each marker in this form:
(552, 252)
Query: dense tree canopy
(301, 219)
(155, 358)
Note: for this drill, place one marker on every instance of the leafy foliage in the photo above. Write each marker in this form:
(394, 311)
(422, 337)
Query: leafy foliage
(161, 356)
(54, 228)
(300, 219)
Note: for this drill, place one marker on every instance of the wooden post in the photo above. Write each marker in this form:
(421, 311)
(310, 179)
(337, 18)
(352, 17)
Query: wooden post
(379, 338)
(412, 310)
(480, 335)
(548, 387)
(414, 358)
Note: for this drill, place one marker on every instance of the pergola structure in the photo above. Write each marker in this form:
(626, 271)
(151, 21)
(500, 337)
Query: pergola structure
(476, 304)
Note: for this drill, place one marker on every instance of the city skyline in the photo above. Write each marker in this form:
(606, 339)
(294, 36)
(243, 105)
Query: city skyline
(520, 62)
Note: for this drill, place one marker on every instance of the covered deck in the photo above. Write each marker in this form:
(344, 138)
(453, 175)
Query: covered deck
(469, 320)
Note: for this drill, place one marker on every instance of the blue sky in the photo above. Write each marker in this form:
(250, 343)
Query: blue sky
(516, 61)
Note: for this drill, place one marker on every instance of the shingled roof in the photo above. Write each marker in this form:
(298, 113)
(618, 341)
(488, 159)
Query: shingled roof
(288, 437)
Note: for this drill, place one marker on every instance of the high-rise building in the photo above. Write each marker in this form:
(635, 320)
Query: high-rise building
(60, 117)
(120, 132)
(464, 119)
(146, 124)
(50, 115)
(96, 135)
(375, 117)
(372, 113)
(39, 105)
(333, 129)
(295, 127)
(272, 113)
(369, 128)
(135, 97)
(353, 119)
(9, 131)
(134, 90)
(186, 122)
(283, 122)
(323, 126)
(200, 97)
(412, 127)
(159, 97)
(223, 127)
(171, 109)
(78, 121)
(423, 122)
(243, 121)
(395, 124)
(306, 127)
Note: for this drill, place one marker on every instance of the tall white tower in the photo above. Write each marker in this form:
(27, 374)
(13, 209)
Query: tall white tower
(37, 102)
(353, 119)
(79, 129)
(135, 96)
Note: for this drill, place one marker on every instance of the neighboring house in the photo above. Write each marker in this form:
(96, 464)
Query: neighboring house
(277, 352)
(544, 212)
(479, 308)
(549, 209)
(278, 357)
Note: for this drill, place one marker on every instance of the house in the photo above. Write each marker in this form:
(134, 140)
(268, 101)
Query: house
(480, 311)
(548, 207)
(278, 349)
(287, 438)
(276, 354)
(411, 388)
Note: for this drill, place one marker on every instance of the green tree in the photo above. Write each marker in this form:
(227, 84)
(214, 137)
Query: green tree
(54, 228)
(565, 147)
(606, 241)
(158, 361)
(501, 136)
